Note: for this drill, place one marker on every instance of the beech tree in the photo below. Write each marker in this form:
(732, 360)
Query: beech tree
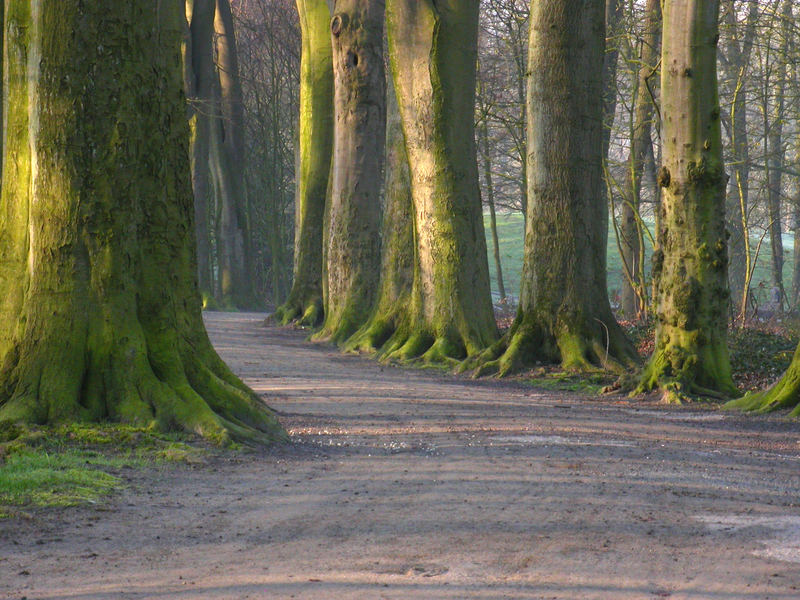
(390, 313)
(433, 51)
(691, 353)
(352, 230)
(564, 314)
(217, 116)
(99, 306)
(304, 303)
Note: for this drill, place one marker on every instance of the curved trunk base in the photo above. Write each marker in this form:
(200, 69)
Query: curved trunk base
(585, 346)
(151, 379)
(681, 374)
(785, 394)
(304, 313)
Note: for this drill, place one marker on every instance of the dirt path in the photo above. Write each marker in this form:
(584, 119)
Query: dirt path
(407, 484)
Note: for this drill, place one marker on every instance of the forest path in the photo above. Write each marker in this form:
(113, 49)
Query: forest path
(409, 484)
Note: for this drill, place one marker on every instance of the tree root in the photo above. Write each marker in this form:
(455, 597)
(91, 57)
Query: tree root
(785, 394)
(528, 342)
(302, 314)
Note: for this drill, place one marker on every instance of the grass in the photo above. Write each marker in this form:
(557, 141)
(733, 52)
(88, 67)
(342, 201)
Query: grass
(78, 464)
(510, 228)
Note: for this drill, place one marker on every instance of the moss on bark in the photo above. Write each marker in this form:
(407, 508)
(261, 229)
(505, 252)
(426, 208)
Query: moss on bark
(690, 267)
(304, 304)
(564, 313)
(433, 48)
(352, 231)
(108, 322)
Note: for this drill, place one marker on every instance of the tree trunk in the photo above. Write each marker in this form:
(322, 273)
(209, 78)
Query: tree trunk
(397, 249)
(316, 143)
(98, 255)
(631, 238)
(487, 175)
(564, 314)
(199, 63)
(691, 354)
(433, 52)
(352, 231)
(228, 161)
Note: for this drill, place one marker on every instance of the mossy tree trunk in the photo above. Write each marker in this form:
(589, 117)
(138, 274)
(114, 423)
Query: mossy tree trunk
(353, 218)
(199, 68)
(304, 304)
(397, 241)
(228, 165)
(433, 52)
(101, 312)
(634, 294)
(564, 314)
(691, 354)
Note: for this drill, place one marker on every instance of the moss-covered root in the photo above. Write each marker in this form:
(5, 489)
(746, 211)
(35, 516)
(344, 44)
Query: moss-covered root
(682, 370)
(302, 314)
(420, 346)
(785, 394)
(593, 347)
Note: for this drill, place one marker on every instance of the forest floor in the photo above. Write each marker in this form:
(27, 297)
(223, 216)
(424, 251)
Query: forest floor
(411, 484)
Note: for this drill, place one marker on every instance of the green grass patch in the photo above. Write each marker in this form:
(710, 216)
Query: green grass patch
(77, 464)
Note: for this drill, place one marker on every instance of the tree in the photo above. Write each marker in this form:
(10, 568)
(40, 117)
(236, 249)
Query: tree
(100, 314)
(564, 314)
(304, 303)
(632, 238)
(352, 230)
(390, 313)
(691, 354)
(432, 50)
(216, 111)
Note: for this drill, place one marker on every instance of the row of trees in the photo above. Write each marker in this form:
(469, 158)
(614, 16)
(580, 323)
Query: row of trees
(100, 312)
(564, 314)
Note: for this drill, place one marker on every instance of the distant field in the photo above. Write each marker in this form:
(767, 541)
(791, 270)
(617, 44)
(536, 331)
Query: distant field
(510, 229)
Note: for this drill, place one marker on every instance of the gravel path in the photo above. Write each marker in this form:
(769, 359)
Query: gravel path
(408, 484)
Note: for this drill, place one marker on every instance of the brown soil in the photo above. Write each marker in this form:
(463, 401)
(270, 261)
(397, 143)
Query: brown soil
(413, 484)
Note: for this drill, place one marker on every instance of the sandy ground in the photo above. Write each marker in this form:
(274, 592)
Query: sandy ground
(412, 484)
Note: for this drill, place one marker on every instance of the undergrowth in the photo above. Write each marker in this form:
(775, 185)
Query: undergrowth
(76, 464)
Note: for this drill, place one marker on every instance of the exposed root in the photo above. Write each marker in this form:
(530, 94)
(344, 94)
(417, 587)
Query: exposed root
(785, 394)
(586, 350)
(307, 314)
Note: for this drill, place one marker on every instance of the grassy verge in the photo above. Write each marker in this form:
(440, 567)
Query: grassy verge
(78, 463)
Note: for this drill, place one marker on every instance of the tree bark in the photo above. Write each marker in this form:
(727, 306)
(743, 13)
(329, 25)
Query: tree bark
(487, 176)
(613, 16)
(397, 248)
(304, 304)
(98, 254)
(691, 354)
(352, 231)
(199, 63)
(433, 52)
(564, 314)
(227, 161)
(631, 238)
